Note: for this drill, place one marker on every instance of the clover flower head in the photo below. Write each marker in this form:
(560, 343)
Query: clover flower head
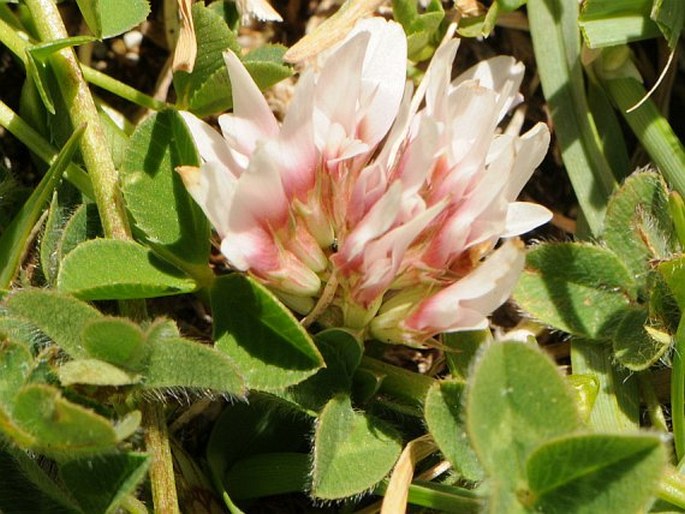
(389, 204)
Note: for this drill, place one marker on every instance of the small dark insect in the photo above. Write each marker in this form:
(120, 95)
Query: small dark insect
(334, 245)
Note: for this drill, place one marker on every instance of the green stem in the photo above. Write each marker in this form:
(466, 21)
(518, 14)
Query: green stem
(122, 90)
(44, 150)
(678, 391)
(82, 110)
(164, 494)
(18, 46)
(672, 488)
(443, 498)
(12, 41)
(398, 382)
(652, 129)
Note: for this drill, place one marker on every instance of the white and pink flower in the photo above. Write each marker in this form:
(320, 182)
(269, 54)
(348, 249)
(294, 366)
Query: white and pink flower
(398, 198)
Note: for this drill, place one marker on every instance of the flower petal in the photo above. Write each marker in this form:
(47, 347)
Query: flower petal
(383, 77)
(210, 144)
(213, 189)
(479, 293)
(523, 217)
(252, 119)
(495, 73)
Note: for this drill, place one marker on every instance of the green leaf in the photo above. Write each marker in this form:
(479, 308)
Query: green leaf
(203, 366)
(100, 484)
(669, 15)
(616, 407)
(510, 5)
(422, 29)
(36, 65)
(261, 336)
(94, 372)
(578, 288)
(15, 238)
(108, 269)
(155, 195)
(61, 428)
(117, 341)
(207, 90)
(265, 65)
(637, 345)
(65, 228)
(342, 353)
(556, 41)
(25, 487)
(673, 272)
(516, 400)
(213, 38)
(444, 417)
(649, 125)
(59, 316)
(609, 23)
(596, 473)
(637, 224)
(352, 451)
(108, 18)
(245, 430)
(15, 365)
(228, 12)
(268, 474)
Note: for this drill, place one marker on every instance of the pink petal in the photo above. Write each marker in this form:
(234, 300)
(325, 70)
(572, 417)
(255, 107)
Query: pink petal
(259, 191)
(298, 151)
(378, 221)
(252, 248)
(480, 292)
(383, 257)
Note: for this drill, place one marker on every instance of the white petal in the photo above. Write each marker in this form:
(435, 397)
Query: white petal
(494, 74)
(383, 77)
(248, 102)
(531, 148)
(213, 189)
(438, 76)
(523, 217)
(260, 9)
(338, 87)
(210, 144)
